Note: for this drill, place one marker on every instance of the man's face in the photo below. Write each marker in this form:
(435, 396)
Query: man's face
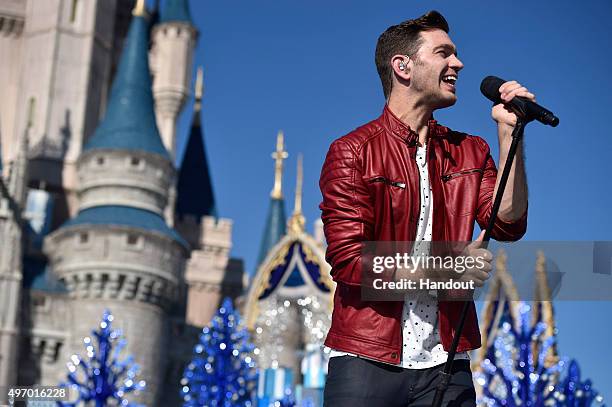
(435, 70)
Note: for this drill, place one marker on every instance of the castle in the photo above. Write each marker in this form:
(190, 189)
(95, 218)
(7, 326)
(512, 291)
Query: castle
(94, 214)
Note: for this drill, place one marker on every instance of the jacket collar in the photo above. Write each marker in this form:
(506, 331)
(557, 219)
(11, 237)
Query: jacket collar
(398, 128)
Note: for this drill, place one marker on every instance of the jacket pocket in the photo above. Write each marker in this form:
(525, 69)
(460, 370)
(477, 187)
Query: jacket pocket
(386, 181)
(463, 173)
(389, 205)
(461, 190)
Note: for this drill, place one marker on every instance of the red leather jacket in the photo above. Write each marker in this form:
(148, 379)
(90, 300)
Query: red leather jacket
(357, 208)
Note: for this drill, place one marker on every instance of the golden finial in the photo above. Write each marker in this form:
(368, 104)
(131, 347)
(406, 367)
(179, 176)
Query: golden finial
(279, 155)
(297, 221)
(140, 9)
(199, 89)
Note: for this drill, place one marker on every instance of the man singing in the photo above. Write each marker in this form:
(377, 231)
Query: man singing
(404, 177)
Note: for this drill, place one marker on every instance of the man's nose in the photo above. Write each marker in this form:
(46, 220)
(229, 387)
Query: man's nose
(456, 63)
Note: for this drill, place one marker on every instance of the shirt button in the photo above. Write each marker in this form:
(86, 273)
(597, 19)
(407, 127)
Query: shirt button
(394, 355)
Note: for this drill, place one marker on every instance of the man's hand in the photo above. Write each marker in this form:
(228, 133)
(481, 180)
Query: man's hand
(514, 201)
(500, 113)
(477, 274)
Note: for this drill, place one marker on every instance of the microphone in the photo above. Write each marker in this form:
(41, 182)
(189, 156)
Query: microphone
(523, 107)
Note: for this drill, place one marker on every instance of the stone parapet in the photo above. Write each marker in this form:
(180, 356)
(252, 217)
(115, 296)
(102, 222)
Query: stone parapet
(128, 178)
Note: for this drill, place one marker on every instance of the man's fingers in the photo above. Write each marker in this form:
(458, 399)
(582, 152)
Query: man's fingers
(478, 278)
(486, 267)
(485, 254)
(514, 92)
(511, 89)
(505, 85)
(476, 243)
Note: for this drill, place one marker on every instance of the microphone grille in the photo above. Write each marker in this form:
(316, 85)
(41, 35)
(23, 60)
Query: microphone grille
(490, 88)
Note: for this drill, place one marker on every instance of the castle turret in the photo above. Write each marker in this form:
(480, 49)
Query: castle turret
(56, 62)
(210, 275)
(174, 41)
(276, 221)
(194, 186)
(118, 253)
(288, 310)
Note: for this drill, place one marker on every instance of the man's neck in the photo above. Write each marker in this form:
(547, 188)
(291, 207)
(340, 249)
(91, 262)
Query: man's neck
(412, 114)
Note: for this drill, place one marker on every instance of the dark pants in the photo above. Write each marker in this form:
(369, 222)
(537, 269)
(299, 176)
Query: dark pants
(357, 382)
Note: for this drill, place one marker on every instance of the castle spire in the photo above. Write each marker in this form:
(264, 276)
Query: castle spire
(297, 221)
(129, 123)
(140, 9)
(176, 10)
(279, 155)
(276, 221)
(199, 90)
(194, 188)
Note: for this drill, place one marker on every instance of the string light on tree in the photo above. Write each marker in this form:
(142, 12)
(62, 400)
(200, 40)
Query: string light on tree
(515, 371)
(102, 378)
(222, 372)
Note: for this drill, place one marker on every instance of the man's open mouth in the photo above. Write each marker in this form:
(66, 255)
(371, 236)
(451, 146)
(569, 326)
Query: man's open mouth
(450, 79)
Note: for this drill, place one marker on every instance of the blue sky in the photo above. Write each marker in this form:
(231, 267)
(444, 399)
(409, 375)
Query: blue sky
(307, 68)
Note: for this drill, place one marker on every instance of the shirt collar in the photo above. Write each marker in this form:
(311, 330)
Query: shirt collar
(402, 130)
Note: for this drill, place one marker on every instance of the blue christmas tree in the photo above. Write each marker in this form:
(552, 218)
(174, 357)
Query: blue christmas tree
(101, 378)
(222, 372)
(515, 372)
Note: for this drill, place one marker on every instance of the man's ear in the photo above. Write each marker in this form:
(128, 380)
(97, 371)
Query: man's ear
(401, 66)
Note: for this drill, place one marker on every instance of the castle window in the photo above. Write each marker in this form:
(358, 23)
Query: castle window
(73, 10)
(134, 241)
(39, 301)
(31, 112)
(4, 211)
(82, 240)
(136, 163)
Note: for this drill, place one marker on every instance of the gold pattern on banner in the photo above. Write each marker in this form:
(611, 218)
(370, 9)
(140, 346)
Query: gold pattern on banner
(276, 261)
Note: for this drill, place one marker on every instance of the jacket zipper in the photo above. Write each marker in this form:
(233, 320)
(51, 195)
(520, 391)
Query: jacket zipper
(448, 177)
(386, 181)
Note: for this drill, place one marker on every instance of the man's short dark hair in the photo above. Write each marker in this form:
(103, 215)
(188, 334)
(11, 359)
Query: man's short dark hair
(404, 38)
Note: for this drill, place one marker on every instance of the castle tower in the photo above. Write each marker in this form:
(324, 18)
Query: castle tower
(12, 202)
(174, 41)
(276, 221)
(288, 310)
(210, 275)
(56, 59)
(118, 253)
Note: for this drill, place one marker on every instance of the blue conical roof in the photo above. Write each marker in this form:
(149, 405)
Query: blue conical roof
(275, 229)
(175, 10)
(125, 216)
(194, 188)
(129, 123)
